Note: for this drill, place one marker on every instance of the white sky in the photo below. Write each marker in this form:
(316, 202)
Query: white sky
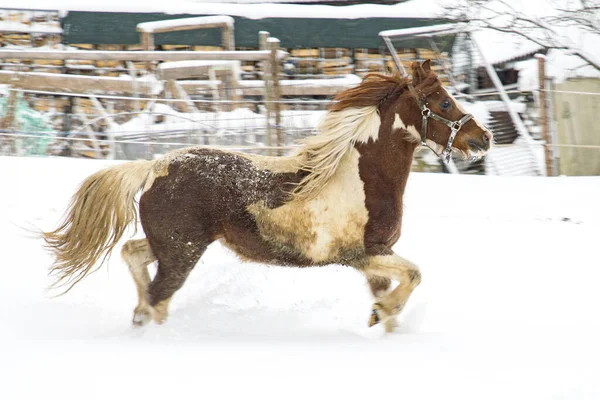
(497, 46)
(422, 8)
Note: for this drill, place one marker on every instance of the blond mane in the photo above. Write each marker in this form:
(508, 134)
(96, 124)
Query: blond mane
(354, 118)
(338, 133)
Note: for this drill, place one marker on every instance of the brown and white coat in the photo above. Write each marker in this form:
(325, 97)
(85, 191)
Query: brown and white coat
(337, 200)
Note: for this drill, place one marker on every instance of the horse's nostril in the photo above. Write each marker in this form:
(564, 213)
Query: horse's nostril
(487, 137)
(478, 146)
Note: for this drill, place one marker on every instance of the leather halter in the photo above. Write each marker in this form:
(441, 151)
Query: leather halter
(453, 125)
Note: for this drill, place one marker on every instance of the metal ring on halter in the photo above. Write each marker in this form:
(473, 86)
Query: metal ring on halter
(426, 112)
(456, 125)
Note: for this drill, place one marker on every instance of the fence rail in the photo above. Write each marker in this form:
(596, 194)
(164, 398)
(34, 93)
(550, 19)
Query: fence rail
(103, 55)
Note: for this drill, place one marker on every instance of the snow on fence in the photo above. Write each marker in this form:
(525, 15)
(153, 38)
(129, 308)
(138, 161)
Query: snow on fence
(269, 57)
(96, 127)
(147, 114)
(221, 80)
(147, 30)
(99, 130)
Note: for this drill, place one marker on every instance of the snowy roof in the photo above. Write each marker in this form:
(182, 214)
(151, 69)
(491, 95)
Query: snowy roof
(409, 9)
(499, 47)
(185, 22)
(425, 31)
(552, 29)
(559, 66)
(336, 2)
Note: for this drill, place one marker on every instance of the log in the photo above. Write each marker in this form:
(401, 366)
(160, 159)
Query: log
(248, 55)
(72, 83)
(62, 83)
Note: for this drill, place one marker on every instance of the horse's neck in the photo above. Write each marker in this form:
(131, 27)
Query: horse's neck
(384, 167)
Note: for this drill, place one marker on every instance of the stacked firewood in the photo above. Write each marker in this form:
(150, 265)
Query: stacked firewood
(328, 62)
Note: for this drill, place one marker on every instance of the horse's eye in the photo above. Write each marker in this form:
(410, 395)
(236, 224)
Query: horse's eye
(446, 104)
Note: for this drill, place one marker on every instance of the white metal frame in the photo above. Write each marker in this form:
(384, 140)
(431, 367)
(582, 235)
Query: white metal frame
(429, 32)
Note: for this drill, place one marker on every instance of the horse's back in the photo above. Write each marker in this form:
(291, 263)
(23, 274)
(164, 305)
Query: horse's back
(200, 194)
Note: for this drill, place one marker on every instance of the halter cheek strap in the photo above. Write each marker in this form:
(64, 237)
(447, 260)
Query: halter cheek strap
(453, 125)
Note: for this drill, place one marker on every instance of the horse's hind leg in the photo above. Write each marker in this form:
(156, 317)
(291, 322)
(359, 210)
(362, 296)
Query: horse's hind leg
(137, 254)
(173, 269)
(392, 267)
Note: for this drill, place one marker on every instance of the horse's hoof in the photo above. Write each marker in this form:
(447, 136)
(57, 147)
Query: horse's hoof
(141, 318)
(377, 315)
(374, 320)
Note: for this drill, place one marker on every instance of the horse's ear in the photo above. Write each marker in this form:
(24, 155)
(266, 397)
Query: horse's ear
(418, 72)
(426, 65)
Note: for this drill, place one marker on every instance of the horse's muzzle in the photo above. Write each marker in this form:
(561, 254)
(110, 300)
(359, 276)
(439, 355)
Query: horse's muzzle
(480, 146)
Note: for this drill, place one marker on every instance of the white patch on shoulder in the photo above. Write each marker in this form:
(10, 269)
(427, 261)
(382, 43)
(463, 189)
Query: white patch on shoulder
(413, 135)
(338, 133)
(332, 222)
(398, 123)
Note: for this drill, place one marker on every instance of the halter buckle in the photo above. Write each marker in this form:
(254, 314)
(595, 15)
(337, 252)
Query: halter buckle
(445, 156)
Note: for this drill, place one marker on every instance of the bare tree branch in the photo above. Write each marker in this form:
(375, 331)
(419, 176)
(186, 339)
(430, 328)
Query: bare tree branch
(548, 32)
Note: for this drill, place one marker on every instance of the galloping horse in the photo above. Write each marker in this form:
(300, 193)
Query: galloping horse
(338, 200)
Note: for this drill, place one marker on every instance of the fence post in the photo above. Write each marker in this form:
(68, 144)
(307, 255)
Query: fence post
(7, 123)
(276, 92)
(228, 43)
(228, 38)
(134, 85)
(148, 45)
(68, 111)
(266, 67)
(543, 117)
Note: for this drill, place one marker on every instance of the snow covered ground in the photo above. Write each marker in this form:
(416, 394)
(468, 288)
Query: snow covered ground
(507, 308)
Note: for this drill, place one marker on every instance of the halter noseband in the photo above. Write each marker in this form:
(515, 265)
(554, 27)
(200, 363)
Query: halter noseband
(453, 125)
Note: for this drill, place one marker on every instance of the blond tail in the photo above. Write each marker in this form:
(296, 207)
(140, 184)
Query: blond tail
(97, 217)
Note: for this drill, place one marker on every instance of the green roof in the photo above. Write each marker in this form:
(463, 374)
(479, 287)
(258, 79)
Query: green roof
(120, 28)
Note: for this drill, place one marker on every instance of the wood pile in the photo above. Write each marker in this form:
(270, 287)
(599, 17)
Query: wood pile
(107, 67)
(50, 104)
(372, 60)
(307, 61)
(324, 61)
(303, 63)
(22, 21)
(336, 61)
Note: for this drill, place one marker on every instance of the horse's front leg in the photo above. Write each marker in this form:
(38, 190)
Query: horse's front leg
(384, 268)
(380, 288)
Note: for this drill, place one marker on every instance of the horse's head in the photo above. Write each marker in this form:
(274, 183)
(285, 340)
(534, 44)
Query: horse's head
(385, 118)
(437, 119)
